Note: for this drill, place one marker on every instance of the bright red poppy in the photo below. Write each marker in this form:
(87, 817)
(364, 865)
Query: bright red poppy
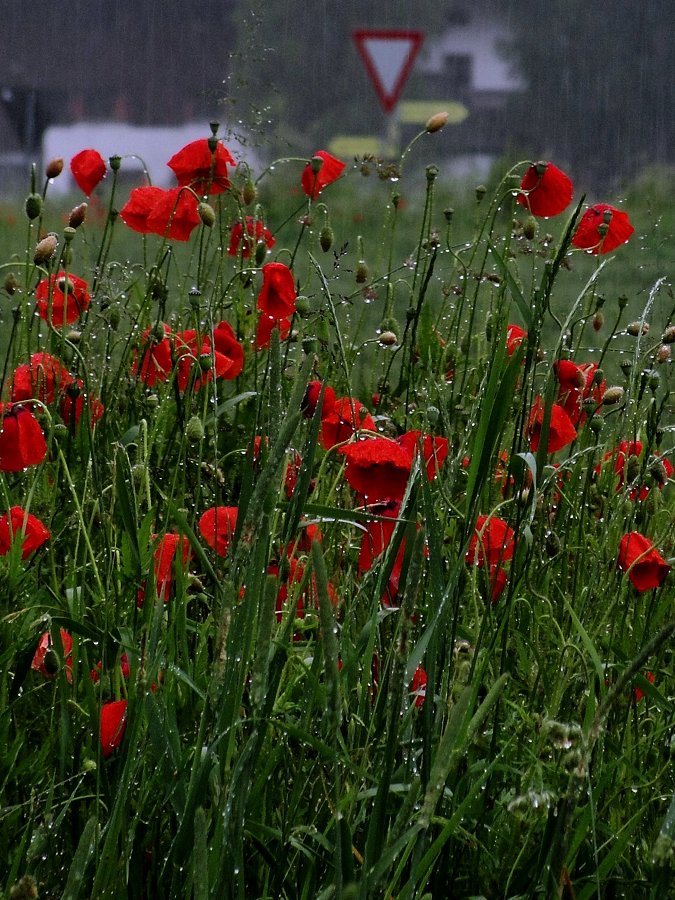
(311, 399)
(546, 190)
(22, 442)
(307, 599)
(203, 169)
(643, 563)
(346, 417)
(638, 693)
(277, 296)
(515, 335)
(621, 455)
(217, 526)
(314, 182)
(112, 725)
(191, 351)
(225, 342)
(374, 542)
(164, 556)
(255, 233)
(265, 327)
(125, 669)
(434, 449)
(576, 385)
(497, 579)
(591, 234)
(45, 660)
(139, 206)
(20, 524)
(72, 405)
(88, 168)
(174, 214)
(561, 430)
(62, 298)
(418, 687)
(43, 378)
(493, 542)
(378, 468)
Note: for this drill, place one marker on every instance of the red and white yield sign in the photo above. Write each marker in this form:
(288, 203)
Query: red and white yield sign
(388, 56)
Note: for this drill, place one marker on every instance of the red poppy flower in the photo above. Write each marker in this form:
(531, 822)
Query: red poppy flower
(576, 384)
(164, 556)
(125, 669)
(204, 170)
(377, 467)
(17, 522)
(434, 450)
(226, 343)
(265, 327)
(644, 564)
(547, 191)
(314, 182)
(418, 686)
(515, 335)
(311, 399)
(44, 661)
(71, 406)
(137, 209)
(156, 360)
(497, 582)
(217, 526)
(346, 417)
(277, 296)
(308, 598)
(174, 214)
(493, 541)
(88, 168)
(62, 298)
(256, 233)
(22, 442)
(621, 455)
(561, 430)
(112, 725)
(190, 349)
(43, 378)
(638, 693)
(590, 234)
(376, 539)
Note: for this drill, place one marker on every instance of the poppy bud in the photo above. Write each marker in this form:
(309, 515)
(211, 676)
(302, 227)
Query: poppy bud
(632, 468)
(598, 321)
(388, 339)
(50, 661)
(194, 430)
(436, 122)
(361, 272)
(448, 213)
(260, 252)
(637, 328)
(653, 380)
(388, 326)
(481, 191)
(309, 345)
(249, 192)
(302, 305)
(663, 353)
(74, 337)
(54, 167)
(622, 301)
(433, 414)
(668, 336)
(589, 405)
(33, 206)
(658, 472)
(45, 249)
(205, 362)
(207, 214)
(10, 283)
(77, 215)
(326, 238)
(613, 395)
(530, 227)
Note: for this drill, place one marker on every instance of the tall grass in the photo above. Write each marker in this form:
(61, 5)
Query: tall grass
(463, 715)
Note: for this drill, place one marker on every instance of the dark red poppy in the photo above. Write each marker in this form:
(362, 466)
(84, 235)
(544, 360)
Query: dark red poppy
(515, 335)
(28, 528)
(88, 168)
(547, 191)
(174, 215)
(277, 296)
(203, 169)
(72, 405)
(217, 526)
(638, 693)
(225, 342)
(45, 661)
(493, 541)
(374, 542)
(418, 687)
(434, 449)
(265, 327)
(62, 298)
(311, 399)
(643, 563)
(314, 182)
(156, 360)
(346, 417)
(378, 468)
(112, 725)
(125, 669)
(139, 206)
(22, 442)
(561, 430)
(577, 383)
(255, 233)
(602, 228)
(43, 379)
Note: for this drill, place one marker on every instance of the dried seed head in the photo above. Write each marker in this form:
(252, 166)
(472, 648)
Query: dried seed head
(663, 353)
(45, 249)
(436, 122)
(668, 336)
(54, 167)
(613, 395)
(637, 328)
(598, 321)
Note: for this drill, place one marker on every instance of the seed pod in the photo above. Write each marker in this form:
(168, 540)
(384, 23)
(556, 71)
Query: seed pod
(326, 238)
(207, 214)
(613, 395)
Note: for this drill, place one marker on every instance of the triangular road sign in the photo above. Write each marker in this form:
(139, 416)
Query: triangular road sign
(388, 56)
